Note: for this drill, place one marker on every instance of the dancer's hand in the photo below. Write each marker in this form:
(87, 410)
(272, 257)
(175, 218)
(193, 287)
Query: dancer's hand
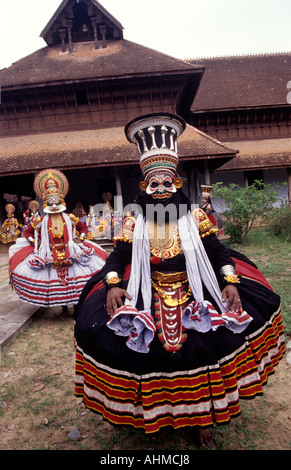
(114, 299)
(230, 293)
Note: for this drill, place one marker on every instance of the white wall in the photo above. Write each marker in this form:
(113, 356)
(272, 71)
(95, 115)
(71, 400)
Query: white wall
(276, 176)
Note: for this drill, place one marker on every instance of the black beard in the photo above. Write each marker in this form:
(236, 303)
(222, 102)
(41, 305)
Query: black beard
(179, 200)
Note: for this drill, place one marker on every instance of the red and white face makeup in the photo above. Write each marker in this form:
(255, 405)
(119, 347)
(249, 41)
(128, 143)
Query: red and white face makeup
(160, 186)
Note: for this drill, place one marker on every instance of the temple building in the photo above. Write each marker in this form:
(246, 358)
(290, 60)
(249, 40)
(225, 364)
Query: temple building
(65, 106)
(243, 101)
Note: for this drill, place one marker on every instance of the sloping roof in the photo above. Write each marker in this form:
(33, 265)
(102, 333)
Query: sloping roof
(121, 58)
(243, 81)
(92, 148)
(264, 155)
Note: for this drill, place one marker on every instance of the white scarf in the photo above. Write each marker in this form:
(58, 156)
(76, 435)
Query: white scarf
(198, 266)
(43, 251)
(140, 265)
(199, 315)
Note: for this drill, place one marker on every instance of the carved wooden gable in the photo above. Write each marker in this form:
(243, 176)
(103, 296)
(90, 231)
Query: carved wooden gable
(78, 21)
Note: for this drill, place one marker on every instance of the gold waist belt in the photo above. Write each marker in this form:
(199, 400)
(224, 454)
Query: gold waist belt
(167, 284)
(59, 246)
(169, 278)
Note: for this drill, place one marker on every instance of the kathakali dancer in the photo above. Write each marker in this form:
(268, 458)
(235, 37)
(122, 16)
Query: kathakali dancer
(207, 206)
(95, 226)
(79, 211)
(176, 328)
(31, 212)
(10, 230)
(48, 267)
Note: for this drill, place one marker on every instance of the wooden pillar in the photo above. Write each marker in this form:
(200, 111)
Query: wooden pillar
(103, 31)
(191, 184)
(246, 181)
(197, 188)
(289, 185)
(63, 34)
(119, 200)
(206, 172)
(69, 26)
(94, 24)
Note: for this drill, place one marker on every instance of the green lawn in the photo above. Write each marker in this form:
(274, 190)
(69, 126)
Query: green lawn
(273, 258)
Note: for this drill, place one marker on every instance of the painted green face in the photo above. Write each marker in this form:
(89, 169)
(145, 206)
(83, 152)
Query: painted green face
(54, 205)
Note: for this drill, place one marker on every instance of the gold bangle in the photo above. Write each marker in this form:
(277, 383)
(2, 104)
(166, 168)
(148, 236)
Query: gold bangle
(232, 278)
(113, 280)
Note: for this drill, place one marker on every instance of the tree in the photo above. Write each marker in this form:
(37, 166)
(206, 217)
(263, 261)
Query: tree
(245, 206)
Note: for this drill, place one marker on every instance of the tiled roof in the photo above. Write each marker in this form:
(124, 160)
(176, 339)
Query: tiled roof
(120, 59)
(264, 154)
(92, 148)
(243, 81)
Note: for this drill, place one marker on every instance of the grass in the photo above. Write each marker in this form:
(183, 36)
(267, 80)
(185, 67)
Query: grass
(38, 408)
(273, 258)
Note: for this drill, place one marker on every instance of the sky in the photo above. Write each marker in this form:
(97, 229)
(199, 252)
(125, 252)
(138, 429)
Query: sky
(180, 28)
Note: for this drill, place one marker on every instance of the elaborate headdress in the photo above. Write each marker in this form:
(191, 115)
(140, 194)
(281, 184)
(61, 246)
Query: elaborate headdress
(10, 208)
(206, 190)
(156, 138)
(33, 206)
(51, 185)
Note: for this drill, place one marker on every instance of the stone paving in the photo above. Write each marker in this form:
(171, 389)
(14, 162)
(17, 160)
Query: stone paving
(14, 314)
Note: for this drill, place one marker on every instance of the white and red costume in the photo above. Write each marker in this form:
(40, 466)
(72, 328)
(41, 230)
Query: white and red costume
(47, 266)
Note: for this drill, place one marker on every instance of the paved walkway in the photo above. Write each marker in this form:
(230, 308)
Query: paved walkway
(15, 315)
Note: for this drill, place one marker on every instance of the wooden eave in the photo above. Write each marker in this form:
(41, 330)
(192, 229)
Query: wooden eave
(239, 108)
(92, 148)
(265, 154)
(247, 163)
(53, 83)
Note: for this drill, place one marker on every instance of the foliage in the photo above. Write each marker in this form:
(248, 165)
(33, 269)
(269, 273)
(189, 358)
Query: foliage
(245, 206)
(281, 223)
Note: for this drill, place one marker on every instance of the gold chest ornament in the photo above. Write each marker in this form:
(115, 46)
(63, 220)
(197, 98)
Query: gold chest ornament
(164, 240)
(57, 226)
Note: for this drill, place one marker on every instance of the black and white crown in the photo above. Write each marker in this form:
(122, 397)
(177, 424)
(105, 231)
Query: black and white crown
(156, 138)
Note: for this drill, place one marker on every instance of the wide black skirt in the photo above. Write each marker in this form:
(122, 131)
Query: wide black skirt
(199, 385)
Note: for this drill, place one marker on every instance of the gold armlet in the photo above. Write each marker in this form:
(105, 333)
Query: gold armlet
(203, 223)
(127, 229)
(122, 239)
(209, 232)
(34, 222)
(73, 218)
